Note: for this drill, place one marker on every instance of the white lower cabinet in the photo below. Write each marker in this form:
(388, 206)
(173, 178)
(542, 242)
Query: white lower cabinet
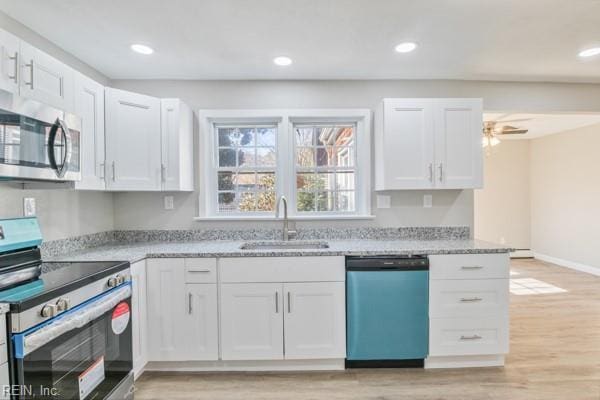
(468, 310)
(315, 320)
(299, 317)
(200, 325)
(139, 317)
(182, 318)
(251, 321)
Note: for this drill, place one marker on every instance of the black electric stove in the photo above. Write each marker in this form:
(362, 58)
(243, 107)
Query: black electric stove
(57, 279)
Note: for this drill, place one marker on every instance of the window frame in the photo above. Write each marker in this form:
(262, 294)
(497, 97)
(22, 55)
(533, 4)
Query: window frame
(285, 168)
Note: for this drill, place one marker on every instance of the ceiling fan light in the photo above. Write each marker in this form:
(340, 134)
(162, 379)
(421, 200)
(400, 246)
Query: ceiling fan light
(494, 141)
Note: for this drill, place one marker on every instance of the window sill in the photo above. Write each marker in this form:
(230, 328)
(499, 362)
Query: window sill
(293, 218)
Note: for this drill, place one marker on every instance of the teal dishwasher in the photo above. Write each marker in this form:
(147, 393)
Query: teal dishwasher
(387, 311)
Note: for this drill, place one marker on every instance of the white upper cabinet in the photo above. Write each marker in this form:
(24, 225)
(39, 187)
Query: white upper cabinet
(404, 147)
(177, 146)
(429, 144)
(133, 147)
(89, 105)
(9, 62)
(45, 79)
(458, 151)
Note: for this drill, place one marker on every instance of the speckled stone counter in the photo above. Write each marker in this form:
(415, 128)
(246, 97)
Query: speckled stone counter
(221, 248)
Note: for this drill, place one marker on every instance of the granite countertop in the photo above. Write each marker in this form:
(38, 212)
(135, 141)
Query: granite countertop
(221, 248)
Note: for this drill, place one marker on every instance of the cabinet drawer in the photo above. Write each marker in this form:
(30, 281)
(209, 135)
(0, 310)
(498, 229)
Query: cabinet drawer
(282, 269)
(468, 298)
(469, 266)
(468, 336)
(200, 270)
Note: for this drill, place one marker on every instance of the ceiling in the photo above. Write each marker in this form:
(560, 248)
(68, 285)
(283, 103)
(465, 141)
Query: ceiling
(542, 124)
(519, 40)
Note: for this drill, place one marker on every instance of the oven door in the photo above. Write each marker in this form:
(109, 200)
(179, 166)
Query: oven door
(42, 148)
(85, 353)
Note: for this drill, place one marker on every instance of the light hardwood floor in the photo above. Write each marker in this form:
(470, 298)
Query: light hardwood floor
(554, 354)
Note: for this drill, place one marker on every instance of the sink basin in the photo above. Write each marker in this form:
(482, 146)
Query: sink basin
(289, 245)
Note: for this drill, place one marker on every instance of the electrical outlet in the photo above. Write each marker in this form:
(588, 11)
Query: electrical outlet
(427, 201)
(169, 203)
(29, 206)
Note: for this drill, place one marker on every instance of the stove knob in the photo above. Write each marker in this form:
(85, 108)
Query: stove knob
(63, 304)
(49, 310)
(112, 282)
(120, 279)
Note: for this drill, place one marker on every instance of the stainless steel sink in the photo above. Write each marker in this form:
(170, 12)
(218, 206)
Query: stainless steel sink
(284, 245)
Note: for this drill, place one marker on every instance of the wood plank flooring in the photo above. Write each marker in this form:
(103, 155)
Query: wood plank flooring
(554, 354)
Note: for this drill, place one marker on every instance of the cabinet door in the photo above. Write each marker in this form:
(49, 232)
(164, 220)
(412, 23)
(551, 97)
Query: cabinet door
(200, 329)
(458, 126)
(45, 79)
(132, 141)
(405, 144)
(166, 302)
(9, 62)
(251, 321)
(315, 320)
(177, 146)
(89, 105)
(139, 316)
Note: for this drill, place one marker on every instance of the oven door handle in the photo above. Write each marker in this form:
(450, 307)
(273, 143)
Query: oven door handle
(34, 338)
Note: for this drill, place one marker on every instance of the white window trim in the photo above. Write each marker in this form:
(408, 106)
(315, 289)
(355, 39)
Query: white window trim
(284, 118)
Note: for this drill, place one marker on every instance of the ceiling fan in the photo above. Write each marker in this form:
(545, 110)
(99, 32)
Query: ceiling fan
(493, 129)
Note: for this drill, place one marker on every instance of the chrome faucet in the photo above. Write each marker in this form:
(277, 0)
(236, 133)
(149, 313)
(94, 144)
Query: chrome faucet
(286, 231)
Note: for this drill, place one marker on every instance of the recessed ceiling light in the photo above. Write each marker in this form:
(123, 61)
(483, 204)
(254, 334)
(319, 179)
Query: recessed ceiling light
(282, 61)
(142, 49)
(594, 51)
(405, 47)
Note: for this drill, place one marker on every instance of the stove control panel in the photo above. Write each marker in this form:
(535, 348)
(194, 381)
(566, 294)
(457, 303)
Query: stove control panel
(49, 310)
(117, 280)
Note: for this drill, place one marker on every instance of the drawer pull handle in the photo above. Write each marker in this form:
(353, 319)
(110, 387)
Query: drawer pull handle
(470, 299)
(474, 337)
(471, 267)
(199, 270)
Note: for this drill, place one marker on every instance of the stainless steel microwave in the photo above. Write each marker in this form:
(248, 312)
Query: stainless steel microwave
(38, 142)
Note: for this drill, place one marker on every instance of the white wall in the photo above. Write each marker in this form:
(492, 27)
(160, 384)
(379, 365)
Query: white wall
(502, 208)
(565, 196)
(144, 210)
(62, 213)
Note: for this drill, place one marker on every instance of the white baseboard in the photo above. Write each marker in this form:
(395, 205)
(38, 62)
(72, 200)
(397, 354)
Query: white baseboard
(267, 365)
(568, 264)
(521, 254)
(495, 360)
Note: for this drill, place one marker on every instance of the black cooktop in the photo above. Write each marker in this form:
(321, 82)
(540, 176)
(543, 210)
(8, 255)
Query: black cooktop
(58, 278)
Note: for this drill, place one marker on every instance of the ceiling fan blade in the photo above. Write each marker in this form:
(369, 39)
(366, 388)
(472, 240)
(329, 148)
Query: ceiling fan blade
(514, 120)
(513, 131)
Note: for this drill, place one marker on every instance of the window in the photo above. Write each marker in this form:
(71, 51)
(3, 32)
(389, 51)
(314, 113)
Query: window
(318, 159)
(246, 168)
(325, 162)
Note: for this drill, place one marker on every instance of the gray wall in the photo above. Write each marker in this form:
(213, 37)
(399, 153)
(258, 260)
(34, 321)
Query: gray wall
(62, 213)
(565, 196)
(144, 210)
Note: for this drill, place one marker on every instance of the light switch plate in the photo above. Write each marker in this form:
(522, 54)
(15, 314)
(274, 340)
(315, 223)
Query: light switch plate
(384, 201)
(169, 203)
(427, 201)
(29, 206)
